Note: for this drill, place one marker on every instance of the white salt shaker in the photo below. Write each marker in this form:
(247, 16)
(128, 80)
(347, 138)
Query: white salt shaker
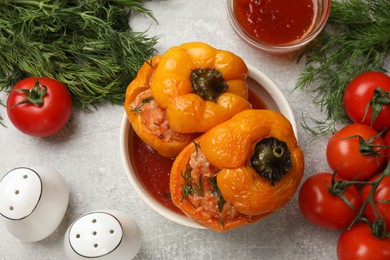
(33, 202)
(103, 234)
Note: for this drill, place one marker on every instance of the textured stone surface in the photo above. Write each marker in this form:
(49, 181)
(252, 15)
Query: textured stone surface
(87, 154)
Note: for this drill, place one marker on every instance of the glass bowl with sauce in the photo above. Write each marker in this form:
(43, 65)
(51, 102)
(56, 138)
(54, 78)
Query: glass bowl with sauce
(148, 172)
(278, 26)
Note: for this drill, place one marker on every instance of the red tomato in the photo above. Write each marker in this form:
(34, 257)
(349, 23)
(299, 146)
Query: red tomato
(359, 243)
(386, 139)
(382, 193)
(42, 119)
(324, 209)
(359, 93)
(344, 155)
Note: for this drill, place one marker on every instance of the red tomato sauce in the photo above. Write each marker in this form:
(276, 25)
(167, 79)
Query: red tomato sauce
(153, 169)
(275, 21)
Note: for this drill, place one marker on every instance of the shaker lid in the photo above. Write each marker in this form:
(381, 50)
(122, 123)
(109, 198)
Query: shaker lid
(20, 192)
(95, 234)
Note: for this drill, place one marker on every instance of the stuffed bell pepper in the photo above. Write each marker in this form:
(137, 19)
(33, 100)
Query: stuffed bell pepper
(188, 90)
(239, 171)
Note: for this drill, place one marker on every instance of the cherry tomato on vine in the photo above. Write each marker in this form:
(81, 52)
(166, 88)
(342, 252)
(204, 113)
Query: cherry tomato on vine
(366, 95)
(359, 243)
(349, 152)
(382, 194)
(39, 106)
(322, 208)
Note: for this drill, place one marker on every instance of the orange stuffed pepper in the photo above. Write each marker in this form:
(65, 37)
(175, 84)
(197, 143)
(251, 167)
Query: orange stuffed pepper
(200, 86)
(147, 118)
(239, 171)
(185, 92)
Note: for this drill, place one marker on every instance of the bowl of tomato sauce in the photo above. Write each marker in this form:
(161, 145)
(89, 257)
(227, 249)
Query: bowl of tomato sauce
(148, 172)
(278, 26)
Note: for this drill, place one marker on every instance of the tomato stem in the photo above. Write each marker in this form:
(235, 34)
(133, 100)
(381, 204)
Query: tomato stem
(378, 227)
(367, 148)
(34, 96)
(339, 186)
(377, 102)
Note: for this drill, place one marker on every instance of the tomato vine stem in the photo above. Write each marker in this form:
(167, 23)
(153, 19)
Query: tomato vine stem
(378, 227)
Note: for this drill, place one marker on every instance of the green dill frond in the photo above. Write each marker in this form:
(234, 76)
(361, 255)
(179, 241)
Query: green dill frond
(139, 108)
(216, 190)
(191, 187)
(197, 149)
(356, 39)
(87, 45)
(1, 119)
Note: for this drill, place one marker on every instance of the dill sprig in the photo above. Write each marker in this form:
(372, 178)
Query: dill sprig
(1, 119)
(87, 45)
(216, 190)
(144, 101)
(191, 187)
(356, 39)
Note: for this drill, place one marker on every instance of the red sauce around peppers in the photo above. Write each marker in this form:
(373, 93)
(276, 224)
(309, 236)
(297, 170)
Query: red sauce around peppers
(275, 21)
(153, 170)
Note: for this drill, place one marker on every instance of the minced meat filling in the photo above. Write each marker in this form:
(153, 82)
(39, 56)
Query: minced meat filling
(154, 117)
(208, 201)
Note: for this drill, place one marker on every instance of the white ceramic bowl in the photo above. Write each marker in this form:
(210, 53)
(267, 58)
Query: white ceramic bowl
(260, 84)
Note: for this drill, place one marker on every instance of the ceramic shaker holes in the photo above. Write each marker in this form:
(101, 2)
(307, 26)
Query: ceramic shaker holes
(105, 234)
(33, 202)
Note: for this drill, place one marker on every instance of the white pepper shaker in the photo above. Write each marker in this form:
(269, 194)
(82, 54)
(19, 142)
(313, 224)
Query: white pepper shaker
(103, 234)
(33, 202)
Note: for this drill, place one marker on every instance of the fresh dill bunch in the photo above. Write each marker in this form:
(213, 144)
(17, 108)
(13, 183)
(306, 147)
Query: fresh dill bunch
(356, 39)
(88, 45)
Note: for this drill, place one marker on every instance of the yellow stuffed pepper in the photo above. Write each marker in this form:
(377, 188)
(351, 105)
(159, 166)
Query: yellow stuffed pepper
(185, 92)
(239, 171)
(200, 86)
(147, 118)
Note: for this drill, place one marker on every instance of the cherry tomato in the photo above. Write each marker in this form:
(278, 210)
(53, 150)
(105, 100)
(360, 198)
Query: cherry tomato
(358, 94)
(344, 154)
(359, 243)
(324, 209)
(382, 194)
(386, 139)
(39, 106)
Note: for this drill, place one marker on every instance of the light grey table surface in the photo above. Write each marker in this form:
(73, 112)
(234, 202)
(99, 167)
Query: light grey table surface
(87, 154)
